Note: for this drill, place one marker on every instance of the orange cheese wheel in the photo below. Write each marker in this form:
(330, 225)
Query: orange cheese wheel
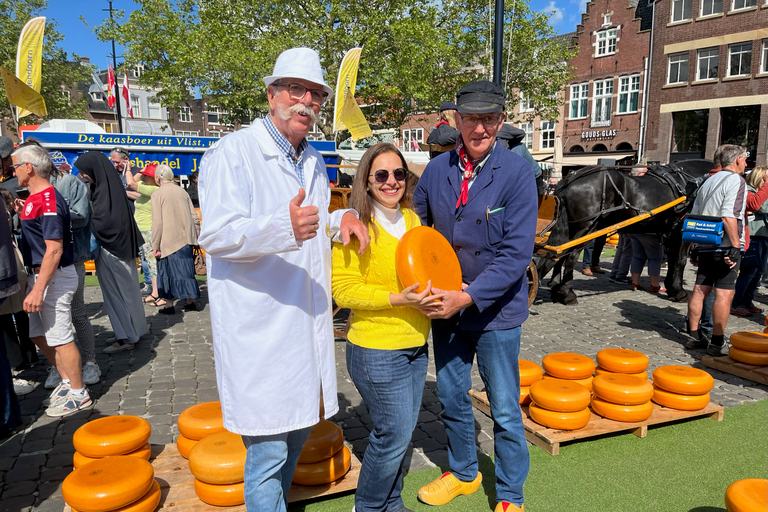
(622, 360)
(681, 402)
(529, 372)
(748, 495)
(324, 440)
(682, 380)
(525, 395)
(567, 365)
(201, 420)
(147, 503)
(753, 358)
(230, 495)
(108, 484)
(559, 420)
(560, 395)
(617, 412)
(603, 371)
(218, 459)
(184, 445)
(750, 341)
(324, 471)
(113, 435)
(587, 383)
(78, 459)
(622, 389)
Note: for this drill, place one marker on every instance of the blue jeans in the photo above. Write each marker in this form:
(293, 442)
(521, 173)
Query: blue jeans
(269, 465)
(622, 258)
(10, 414)
(752, 269)
(646, 248)
(497, 360)
(592, 251)
(391, 383)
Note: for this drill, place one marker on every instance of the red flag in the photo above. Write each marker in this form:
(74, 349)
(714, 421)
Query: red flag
(127, 95)
(111, 87)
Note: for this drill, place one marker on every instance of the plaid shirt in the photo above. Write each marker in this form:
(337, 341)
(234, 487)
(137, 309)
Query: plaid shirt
(296, 157)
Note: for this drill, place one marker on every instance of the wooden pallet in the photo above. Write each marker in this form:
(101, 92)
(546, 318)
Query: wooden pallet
(725, 364)
(178, 493)
(549, 439)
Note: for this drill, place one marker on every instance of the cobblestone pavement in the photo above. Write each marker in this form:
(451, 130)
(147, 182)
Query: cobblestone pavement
(172, 368)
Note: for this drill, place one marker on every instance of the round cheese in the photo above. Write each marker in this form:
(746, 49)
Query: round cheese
(525, 395)
(750, 341)
(681, 402)
(78, 459)
(753, 358)
(108, 484)
(603, 371)
(587, 383)
(622, 389)
(559, 420)
(201, 420)
(748, 495)
(567, 365)
(530, 372)
(184, 445)
(147, 503)
(230, 495)
(324, 440)
(113, 435)
(218, 459)
(617, 412)
(324, 471)
(560, 395)
(682, 380)
(622, 360)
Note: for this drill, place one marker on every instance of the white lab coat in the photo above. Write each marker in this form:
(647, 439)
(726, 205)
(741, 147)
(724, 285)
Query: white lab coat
(270, 296)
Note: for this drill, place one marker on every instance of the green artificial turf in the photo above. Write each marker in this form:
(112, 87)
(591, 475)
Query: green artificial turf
(683, 467)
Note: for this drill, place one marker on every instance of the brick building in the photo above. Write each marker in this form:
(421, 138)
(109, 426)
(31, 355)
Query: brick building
(710, 79)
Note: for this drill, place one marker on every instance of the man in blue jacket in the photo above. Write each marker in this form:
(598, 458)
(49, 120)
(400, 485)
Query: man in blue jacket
(482, 198)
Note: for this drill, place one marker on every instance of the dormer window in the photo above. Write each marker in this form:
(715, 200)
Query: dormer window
(607, 20)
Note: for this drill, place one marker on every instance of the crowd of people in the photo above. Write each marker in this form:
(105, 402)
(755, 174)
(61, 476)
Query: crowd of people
(53, 222)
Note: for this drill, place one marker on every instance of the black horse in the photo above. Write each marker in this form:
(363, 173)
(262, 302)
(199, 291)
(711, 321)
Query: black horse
(597, 197)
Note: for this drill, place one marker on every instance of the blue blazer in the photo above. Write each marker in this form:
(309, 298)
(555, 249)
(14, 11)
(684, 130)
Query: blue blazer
(492, 234)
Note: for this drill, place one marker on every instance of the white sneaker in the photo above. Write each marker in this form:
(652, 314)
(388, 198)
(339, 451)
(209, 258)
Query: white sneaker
(91, 373)
(117, 347)
(59, 393)
(54, 378)
(22, 386)
(70, 405)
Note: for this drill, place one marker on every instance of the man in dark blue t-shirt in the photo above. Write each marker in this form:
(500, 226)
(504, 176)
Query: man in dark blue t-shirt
(47, 250)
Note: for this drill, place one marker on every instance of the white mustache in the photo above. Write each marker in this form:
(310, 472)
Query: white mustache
(299, 108)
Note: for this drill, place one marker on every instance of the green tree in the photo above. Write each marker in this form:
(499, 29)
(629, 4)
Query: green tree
(57, 69)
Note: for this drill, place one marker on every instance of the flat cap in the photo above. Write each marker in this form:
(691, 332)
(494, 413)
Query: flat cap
(482, 97)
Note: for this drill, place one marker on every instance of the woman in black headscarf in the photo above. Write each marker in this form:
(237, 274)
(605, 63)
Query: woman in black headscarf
(116, 232)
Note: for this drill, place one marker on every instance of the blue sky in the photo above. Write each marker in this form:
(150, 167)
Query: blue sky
(79, 39)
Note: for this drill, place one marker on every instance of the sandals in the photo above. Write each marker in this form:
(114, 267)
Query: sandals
(154, 301)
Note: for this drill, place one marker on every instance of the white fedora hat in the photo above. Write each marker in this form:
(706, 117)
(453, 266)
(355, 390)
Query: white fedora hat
(301, 63)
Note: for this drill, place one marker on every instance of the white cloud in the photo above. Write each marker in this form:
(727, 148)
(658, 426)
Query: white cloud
(556, 13)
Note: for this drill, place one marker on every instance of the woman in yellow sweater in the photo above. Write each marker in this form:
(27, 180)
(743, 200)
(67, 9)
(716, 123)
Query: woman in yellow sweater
(387, 340)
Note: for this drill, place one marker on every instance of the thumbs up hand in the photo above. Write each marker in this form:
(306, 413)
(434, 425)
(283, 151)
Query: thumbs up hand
(304, 219)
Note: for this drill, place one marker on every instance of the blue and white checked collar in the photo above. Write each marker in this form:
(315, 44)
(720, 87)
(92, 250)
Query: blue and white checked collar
(296, 157)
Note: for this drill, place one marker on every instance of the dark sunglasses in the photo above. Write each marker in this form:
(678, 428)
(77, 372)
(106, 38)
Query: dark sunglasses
(382, 175)
(120, 150)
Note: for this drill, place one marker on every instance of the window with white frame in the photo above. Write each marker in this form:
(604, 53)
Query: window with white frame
(709, 59)
(526, 104)
(739, 59)
(606, 19)
(528, 138)
(678, 68)
(136, 106)
(579, 95)
(107, 127)
(412, 138)
(185, 115)
(629, 92)
(214, 113)
(138, 70)
(681, 10)
(154, 110)
(711, 7)
(606, 42)
(547, 135)
(764, 58)
(66, 94)
(183, 133)
(602, 102)
(215, 134)
(743, 4)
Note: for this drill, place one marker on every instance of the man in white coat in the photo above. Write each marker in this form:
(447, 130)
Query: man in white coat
(267, 232)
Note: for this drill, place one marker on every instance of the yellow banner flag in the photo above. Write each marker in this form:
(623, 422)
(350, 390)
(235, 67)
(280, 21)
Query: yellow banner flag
(29, 56)
(347, 82)
(354, 119)
(22, 95)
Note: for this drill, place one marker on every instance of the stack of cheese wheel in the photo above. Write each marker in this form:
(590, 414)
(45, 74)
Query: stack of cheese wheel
(622, 360)
(748, 495)
(324, 458)
(217, 462)
(529, 373)
(120, 483)
(750, 348)
(681, 387)
(561, 404)
(622, 397)
(197, 422)
(569, 366)
(113, 435)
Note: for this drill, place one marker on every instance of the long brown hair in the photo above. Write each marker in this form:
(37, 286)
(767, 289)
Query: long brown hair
(360, 199)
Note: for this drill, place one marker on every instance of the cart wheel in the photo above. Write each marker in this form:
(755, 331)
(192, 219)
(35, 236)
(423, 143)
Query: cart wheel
(533, 283)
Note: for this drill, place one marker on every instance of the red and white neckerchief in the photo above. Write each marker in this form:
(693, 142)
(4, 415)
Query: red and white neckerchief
(469, 169)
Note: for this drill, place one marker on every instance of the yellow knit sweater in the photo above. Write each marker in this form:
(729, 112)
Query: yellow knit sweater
(363, 284)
